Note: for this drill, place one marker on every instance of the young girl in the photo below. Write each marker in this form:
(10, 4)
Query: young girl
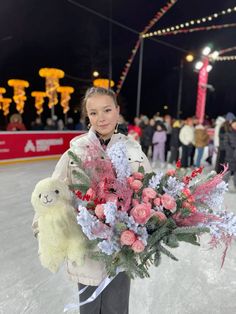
(158, 141)
(102, 110)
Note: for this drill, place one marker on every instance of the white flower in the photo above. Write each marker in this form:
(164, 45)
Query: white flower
(155, 180)
(118, 155)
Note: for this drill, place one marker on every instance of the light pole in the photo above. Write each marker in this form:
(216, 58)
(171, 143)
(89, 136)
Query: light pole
(204, 67)
(188, 58)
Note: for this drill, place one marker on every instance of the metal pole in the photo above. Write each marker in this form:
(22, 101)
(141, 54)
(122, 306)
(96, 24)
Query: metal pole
(139, 77)
(110, 46)
(180, 87)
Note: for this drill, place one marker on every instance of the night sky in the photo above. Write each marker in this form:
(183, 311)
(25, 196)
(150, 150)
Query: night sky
(56, 33)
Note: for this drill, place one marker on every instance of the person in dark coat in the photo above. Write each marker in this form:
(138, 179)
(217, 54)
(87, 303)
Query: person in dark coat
(230, 150)
(175, 142)
(147, 134)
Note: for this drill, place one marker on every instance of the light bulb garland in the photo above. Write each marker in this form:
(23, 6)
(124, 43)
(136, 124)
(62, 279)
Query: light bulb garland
(152, 22)
(226, 58)
(39, 100)
(197, 29)
(52, 77)
(5, 104)
(65, 96)
(19, 93)
(189, 23)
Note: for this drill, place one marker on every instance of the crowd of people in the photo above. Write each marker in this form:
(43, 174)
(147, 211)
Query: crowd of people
(166, 140)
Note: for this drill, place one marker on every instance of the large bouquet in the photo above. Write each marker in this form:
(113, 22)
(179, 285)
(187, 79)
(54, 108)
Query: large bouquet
(132, 219)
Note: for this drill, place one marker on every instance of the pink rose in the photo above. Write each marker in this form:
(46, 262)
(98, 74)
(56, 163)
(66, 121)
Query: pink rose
(130, 180)
(157, 201)
(127, 237)
(138, 246)
(91, 193)
(171, 172)
(138, 175)
(99, 211)
(145, 199)
(149, 192)
(168, 202)
(135, 202)
(161, 216)
(186, 192)
(136, 185)
(141, 213)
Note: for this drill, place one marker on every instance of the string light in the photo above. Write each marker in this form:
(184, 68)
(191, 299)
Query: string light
(193, 21)
(226, 58)
(195, 29)
(152, 22)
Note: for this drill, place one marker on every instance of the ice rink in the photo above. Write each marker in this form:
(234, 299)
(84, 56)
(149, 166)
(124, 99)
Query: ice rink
(194, 285)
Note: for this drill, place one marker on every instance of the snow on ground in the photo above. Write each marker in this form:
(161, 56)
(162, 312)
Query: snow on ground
(194, 285)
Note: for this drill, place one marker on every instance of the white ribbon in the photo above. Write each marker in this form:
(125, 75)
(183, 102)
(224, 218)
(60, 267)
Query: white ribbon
(100, 288)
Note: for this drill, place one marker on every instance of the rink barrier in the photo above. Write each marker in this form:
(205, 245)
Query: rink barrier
(25, 146)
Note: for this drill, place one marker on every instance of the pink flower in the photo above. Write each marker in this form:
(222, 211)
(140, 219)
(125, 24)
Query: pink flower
(138, 175)
(127, 237)
(91, 193)
(111, 198)
(186, 192)
(149, 192)
(99, 211)
(157, 201)
(189, 206)
(130, 180)
(171, 172)
(141, 213)
(138, 246)
(135, 202)
(161, 216)
(168, 202)
(145, 199)
(136, 185)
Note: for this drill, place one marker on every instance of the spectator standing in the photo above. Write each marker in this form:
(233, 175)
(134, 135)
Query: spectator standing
(230, 151)
(175, 142)
(186, 136)
(16, 123)
(201, 141)
(158, 141)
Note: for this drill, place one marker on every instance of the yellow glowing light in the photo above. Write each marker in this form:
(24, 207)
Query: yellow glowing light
(65, 96)
(5, 105)
(19, 93)
(103, 83)
(189, 58)
(39, 100)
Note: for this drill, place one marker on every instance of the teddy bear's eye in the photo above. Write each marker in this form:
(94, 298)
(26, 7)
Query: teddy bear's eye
(56, 191)
(40, 195)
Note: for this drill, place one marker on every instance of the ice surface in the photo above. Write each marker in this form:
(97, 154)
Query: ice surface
(194, 285)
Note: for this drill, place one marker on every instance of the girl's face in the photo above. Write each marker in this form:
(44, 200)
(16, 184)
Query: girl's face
(103, 114)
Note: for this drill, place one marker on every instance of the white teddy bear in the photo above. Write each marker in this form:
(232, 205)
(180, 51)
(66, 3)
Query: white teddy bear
(59, 237)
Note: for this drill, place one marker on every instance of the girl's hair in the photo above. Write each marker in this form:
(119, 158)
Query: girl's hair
(97, 91)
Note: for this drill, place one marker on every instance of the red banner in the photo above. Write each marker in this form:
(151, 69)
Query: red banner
(202, 91)
(21, 145)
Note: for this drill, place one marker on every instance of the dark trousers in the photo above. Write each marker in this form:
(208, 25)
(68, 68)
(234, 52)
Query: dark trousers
(186, 155)
(220, 159)
(114, 299)
(174, 154)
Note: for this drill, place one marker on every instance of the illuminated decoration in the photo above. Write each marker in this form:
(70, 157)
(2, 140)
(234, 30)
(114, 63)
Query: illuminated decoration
(65, 96)
(19, 93)
(5, 104)
(52, 77)
(196, 29)
(180, 27)
(101, 82)
(95, 73)
(152, 22)
(226, 58)
(39, 100)
(189, 58)
(2, 91)
(202, 90)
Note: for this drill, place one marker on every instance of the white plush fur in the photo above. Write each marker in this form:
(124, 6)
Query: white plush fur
(60, 237)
